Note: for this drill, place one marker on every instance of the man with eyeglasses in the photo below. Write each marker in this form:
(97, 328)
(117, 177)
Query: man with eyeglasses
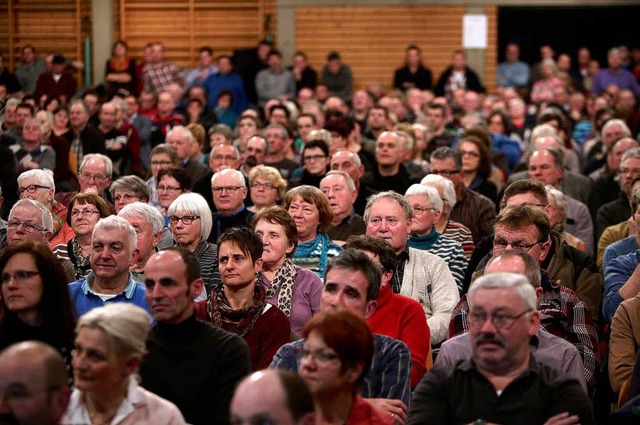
(475, 211)
(419, 274)
(566, 312)
(29, 220)
(33, 384)
(427, 209)
(547, 348)
(506, 382)
(229, 191)
(33, 154)
(315, 164)
(94, 177)
(352, 281)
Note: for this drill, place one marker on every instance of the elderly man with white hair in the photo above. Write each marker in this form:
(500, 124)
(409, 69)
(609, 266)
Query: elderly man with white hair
(32, 154)
(229, 191)
(149, 225)
(114, 247)
(39, 185)
(444, 225)
(427, 209)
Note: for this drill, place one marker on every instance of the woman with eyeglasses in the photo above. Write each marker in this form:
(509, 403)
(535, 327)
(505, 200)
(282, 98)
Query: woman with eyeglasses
(191, 221)
(85, 210)
(476, 164)
(315, 160)
(312, 215)
(29, 308)
(267, 187)
(109, 345)
(292, 289)
(172, 182)
(334, 360)
(162, 157)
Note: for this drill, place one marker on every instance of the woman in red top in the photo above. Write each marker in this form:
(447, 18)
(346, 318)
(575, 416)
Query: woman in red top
(334, 361)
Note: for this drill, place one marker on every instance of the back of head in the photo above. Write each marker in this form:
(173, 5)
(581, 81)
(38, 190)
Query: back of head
(520, 187)
(531, 268)
(379, 247)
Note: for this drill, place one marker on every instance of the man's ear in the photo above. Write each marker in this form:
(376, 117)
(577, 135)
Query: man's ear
(370, 309)
(196, 288)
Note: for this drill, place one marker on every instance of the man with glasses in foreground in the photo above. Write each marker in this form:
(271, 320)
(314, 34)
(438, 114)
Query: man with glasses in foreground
(33, 384)
(507, 383)
(563, 313)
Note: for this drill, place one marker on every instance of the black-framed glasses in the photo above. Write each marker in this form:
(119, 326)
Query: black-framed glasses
(19, 276)
(186, 219)
(321, 356)
(499, 320)
(314, 157)
(445, 172)
(28, 227)
(502, 245)
(31, 188)
(229, 189)
(160, 163)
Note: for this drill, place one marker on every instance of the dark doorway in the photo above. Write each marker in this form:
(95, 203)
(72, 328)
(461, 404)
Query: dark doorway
(567, 29)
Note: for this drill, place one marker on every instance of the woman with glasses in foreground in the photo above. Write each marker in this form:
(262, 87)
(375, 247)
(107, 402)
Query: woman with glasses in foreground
(334, 361)
(109, 345)
(190, 221)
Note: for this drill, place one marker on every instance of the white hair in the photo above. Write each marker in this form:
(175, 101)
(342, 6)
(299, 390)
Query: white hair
(234, 173)
(430, 192)
(44, 177)
(345, 176)
(114, 222)
(145, 212)
(616, 121)
(45, 214)
(525, 290)
(108, 164)
(446, 185)
(194, 204)
(181, 130)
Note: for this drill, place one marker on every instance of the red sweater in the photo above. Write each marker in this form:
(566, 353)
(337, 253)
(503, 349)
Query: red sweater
(403, 318)
(362, 413)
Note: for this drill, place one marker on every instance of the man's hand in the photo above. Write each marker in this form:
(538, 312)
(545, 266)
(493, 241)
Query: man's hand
(395, 408)
(563, 419)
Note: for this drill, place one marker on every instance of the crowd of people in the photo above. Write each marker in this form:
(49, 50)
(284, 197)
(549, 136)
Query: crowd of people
(248, 243)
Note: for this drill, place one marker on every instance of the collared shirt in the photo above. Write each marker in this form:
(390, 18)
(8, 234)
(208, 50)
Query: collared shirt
(401, 261)
(563, 314)
(158, 79)
(353, 224)
(85, 298)
(464, 395)
(77, 412)
(389, 374)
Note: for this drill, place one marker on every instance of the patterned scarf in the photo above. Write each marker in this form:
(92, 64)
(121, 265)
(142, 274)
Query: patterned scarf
(81, 264)
(283, 281)
(240, 321)
(59, 214)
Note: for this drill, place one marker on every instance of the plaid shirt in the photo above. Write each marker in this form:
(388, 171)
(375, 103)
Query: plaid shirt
(563, 314)
(389, 375)
(158, 79)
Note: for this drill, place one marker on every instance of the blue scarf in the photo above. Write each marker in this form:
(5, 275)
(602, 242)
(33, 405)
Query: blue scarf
(424, 242)
(318, 245)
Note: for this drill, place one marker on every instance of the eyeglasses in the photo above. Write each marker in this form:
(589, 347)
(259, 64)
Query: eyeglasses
(227, 158)
(96, 177)
(186, 219)
(28, 227)
(229, 189)
(257, 185)
(159, 163)
(31, 127)
(320, 356)
(472, 154)
(19, 276)
(126, 197)
(85, 212)
(445, 172)
(377, 221)
(501, 244)
(168, 188)
(314, 157)
(499, 320)
(629, 170)
(31, 188)
(420, 210)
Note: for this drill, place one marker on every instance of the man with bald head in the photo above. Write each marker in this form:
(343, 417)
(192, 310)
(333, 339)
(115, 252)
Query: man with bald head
(273, 396)
(350, 163)
(33, 384)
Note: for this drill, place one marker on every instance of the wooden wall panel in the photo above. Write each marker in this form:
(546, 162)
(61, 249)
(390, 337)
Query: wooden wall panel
(373, 39)
(186, 25)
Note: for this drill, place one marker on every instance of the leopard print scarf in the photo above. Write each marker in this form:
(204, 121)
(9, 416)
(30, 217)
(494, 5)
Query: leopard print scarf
(283, 281)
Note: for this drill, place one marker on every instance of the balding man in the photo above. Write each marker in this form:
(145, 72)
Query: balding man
(114, 140)
(273, 396)
(350, 163)
(33, 384)
(341, 192)
(182, 140)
